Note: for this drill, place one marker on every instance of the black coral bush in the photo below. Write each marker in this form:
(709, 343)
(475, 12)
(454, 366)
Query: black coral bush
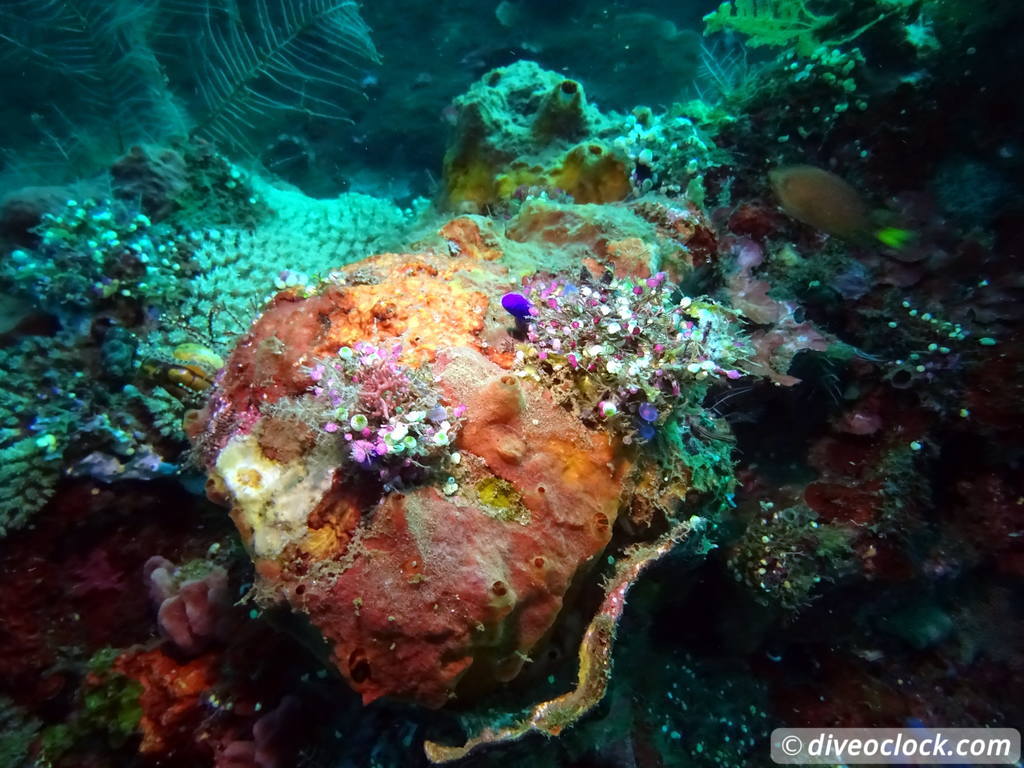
(120, 72)
(292, 56)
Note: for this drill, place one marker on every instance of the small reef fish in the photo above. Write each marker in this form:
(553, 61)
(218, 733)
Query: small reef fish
(190, 370)
(823, 200)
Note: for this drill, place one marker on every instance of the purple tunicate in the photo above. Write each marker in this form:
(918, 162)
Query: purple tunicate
(656, 280)
(648, 412)
(516, 305)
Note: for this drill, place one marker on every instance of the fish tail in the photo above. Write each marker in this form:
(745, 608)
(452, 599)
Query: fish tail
(894, 237)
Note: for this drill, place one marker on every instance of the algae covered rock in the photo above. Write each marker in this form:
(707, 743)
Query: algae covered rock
(523, 126)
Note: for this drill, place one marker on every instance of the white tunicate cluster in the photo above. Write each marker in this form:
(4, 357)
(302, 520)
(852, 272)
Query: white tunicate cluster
(670, 148)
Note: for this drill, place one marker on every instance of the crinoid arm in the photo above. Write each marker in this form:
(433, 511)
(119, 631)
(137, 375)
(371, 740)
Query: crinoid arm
(595, 655)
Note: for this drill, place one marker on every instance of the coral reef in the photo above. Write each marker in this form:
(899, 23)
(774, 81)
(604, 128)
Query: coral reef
(647, 428)
(119, 294)
(644, 358)
(515, 469)
(522, 130)
(238, 267)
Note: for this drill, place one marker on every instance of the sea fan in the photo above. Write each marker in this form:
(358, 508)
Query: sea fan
(294, 57)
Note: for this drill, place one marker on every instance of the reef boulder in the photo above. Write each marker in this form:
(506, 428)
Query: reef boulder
(433, 565)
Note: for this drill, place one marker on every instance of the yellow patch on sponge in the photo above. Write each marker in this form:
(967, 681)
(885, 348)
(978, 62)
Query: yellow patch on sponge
(589, 172)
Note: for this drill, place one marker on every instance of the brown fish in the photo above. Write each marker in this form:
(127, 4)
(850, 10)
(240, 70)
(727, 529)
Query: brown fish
(821, 200)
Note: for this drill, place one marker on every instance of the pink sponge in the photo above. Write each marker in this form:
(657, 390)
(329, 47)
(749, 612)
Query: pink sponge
(191, 612)
(275, 738)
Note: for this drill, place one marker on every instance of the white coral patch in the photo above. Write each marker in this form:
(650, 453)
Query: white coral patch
(274, 499)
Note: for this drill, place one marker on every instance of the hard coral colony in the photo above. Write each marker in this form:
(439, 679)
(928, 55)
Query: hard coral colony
(638, 433)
